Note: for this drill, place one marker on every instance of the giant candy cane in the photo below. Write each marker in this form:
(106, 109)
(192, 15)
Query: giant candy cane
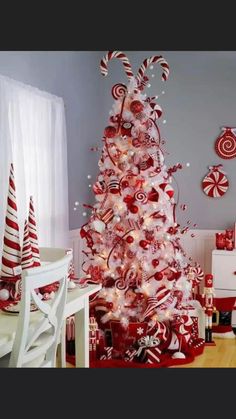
(158, 59)
(121, 56)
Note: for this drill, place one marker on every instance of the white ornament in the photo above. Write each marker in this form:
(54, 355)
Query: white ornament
(188, 164)
(98, 226)
(84, 214)
(178, 355)
(76, 203)
(4, 294)
(89, 176)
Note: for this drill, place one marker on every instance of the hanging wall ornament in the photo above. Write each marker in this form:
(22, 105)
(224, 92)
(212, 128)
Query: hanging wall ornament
(225, 145)
(215, 183)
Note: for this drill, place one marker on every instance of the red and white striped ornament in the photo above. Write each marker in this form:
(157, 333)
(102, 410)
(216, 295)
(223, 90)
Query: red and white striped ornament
(154, 302)
(167, 189)
(114, 186)
(11, 253)
(27, 260)
(107, 215)
(215, 184)
(33, 235)
(121, 56)
(141, 197)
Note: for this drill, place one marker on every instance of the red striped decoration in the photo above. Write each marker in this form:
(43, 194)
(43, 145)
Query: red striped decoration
(121, 56)
(27, 260)
(11, 254)
(33, 234)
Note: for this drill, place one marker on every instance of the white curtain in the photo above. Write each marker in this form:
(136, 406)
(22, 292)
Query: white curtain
(33, 137)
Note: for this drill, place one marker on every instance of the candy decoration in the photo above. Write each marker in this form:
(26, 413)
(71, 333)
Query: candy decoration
(121, 56)
(156, 109)
(147, 62)
(141, 196)
(215, 184)
(114, 186)
(198, 275)
(154, 302)
(27, 260)
(225, 145)
(167, 189)
(153, 195)
(33, 233)
(11, 254)
(126, 128)
(107, 215)
(118, 90)
(99, 188)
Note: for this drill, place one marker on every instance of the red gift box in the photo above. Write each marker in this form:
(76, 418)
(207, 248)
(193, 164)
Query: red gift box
(124, 337)
(153, 355)
(108, 353)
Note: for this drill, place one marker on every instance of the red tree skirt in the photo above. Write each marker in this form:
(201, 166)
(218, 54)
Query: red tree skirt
(166, 361)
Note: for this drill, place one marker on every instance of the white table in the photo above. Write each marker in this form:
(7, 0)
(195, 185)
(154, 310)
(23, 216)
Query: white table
(77, 303)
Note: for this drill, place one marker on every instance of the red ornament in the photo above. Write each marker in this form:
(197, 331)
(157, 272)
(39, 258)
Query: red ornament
(133, 209)
(110, 132)
(128, 199)
(167, 189)
(215, 184)
(144, 244)
(126, 128)
(129, 239)
(140, 296)
(225, 145)
(124, 184)
(136, 106)
(109, 305)
(158, 276)
(155, 263)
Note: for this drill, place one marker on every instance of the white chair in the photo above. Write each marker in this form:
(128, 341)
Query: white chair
(38, 333)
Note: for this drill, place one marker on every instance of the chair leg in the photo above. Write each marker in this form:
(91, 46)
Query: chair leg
(62, 347)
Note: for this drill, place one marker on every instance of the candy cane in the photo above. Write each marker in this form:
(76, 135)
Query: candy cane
(116, 54)
(147, 62)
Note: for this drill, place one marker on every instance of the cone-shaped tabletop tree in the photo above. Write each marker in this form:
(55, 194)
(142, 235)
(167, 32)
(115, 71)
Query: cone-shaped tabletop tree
(132, 237)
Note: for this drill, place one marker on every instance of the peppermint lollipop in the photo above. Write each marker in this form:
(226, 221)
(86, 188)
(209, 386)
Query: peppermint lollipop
(118, 90)
(225, 145)
(215, 184)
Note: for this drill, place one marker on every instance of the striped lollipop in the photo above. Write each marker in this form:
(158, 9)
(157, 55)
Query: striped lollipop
(119, 90)
(11, 254)
(33, 234)
(27, 260)
(215, 184)
(121, 56)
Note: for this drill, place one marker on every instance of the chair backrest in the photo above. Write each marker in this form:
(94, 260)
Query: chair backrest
(38, 333)
(51, 254)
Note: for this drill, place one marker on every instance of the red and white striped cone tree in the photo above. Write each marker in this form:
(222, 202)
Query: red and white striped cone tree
(11, 253)
(33, 236)
(27, 260)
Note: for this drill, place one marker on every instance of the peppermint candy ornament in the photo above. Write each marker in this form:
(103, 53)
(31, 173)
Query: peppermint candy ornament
(215, 184)
(225, 145)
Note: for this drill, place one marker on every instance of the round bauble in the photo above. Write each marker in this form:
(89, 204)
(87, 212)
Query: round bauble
(109, 305)
(4, 294)
(133, 209)
(136, 106)
(129, 239)
(144, 244)
(110, 131)
(155, 263)
(124, 184)
(128, 199)
(98, 226)
(140, 296)
(158, 276)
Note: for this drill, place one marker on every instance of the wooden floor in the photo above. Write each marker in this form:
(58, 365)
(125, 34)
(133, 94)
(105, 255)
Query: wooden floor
(223, 355)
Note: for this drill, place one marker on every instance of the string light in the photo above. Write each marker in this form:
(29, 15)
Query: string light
(76, 203)
(75, 209)
(187, 164)
(163, 92)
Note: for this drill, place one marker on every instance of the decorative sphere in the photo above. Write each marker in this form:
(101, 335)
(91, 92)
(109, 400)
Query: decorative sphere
(143, 244)
(125, 184)
(158, 276)
(136, 106)
(155, 263)
(109, 305)
(4, 294)
(133, 209)
(89, 176)
(76, 203)
(84, 214)
(140, 296)
(129, 239)
(110, 131)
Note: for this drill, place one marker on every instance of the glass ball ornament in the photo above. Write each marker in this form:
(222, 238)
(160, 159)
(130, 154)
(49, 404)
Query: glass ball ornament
(4, 294)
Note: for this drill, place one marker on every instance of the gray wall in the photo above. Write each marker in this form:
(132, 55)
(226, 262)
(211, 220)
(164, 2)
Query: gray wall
(200, 97)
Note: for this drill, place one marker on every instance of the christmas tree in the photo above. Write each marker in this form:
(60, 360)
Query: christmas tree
(132, 238)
